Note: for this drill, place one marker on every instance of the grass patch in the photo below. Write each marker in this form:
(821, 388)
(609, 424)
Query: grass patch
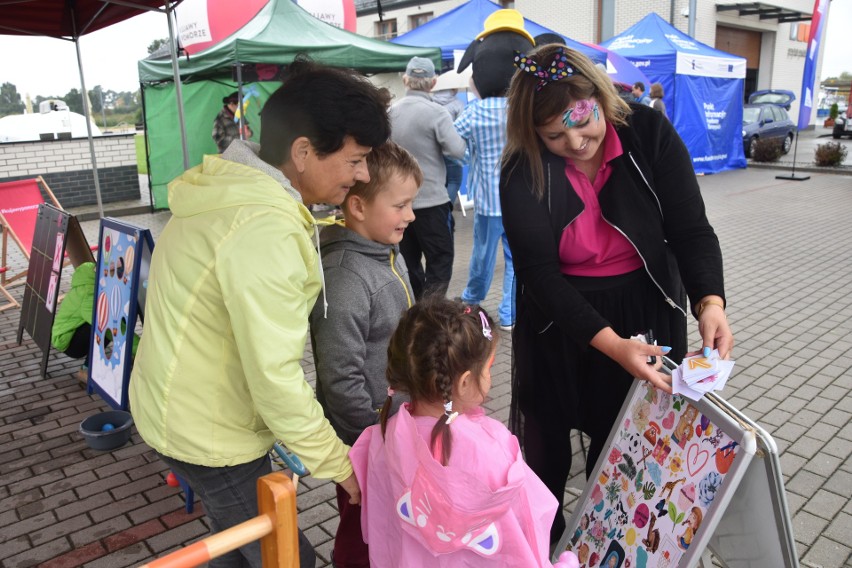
(141, 162)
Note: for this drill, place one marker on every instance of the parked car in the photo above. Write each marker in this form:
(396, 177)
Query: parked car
(767, 122)
(842, 124)
(778, 97)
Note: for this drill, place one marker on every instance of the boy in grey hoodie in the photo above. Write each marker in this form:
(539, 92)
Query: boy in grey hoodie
(367, 291)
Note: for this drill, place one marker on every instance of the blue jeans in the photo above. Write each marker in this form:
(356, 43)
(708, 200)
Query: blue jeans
(229, 495)
(454, 178)
(487, 234)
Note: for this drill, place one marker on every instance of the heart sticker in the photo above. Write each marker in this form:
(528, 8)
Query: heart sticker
(668, 421)
(696, 459)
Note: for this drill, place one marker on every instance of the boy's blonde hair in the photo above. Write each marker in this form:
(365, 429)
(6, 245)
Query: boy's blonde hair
(383, 162)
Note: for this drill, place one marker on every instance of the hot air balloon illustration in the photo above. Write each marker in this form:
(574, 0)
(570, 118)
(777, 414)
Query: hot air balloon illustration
(103, 312)
(107, 247)
(128, 260)
(119, 268)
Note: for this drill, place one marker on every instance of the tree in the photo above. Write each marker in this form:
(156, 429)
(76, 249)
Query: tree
(110, 98)
(845, 78)
(125, 99)
(95, 98)
(156, 44)
(74, 101)
(10, 100)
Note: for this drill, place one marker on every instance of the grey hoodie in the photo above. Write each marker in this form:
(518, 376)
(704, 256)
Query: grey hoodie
(368, 290)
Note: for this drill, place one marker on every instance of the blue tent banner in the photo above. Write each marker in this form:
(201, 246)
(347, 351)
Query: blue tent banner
(714, 140)
(703, 89)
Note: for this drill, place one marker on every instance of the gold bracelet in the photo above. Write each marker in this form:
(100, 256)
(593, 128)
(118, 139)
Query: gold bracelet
(708, 302)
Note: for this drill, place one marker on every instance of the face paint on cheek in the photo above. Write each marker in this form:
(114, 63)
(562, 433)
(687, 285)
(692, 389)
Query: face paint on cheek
(578, 113)
(596, 113)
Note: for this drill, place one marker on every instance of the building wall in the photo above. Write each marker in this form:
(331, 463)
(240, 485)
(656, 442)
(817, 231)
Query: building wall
(66, 167)
(782, 60)
(366, 23)
(579, 21)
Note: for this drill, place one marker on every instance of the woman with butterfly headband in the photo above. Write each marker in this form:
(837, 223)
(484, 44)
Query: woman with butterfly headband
(609, 236)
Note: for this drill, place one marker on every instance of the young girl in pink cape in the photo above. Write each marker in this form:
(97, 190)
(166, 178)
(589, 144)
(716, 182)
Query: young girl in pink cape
(441, 483)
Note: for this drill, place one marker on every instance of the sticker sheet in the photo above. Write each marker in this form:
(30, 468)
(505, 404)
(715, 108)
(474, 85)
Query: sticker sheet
(656, 488)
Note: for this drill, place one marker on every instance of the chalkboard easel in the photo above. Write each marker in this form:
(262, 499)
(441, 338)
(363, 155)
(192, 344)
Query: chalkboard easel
(57, 234)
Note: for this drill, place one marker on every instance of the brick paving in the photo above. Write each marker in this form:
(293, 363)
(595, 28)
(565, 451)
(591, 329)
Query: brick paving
(788, 269)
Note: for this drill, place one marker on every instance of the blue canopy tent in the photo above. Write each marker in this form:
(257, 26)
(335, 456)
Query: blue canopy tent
(460, 26)
(703, 89)
(621, 69)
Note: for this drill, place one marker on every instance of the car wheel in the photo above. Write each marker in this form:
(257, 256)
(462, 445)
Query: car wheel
(788, 143)
(836, 133)
(752, 145)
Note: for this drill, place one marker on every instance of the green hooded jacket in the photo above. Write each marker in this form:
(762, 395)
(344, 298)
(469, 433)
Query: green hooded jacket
(75, 309)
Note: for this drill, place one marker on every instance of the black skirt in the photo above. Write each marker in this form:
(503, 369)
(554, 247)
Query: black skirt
(570, 386)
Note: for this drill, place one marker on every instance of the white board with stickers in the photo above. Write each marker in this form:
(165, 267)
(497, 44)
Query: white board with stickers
(661, 485)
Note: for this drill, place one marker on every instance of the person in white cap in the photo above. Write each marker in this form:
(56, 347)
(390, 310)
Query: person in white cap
(424, 128)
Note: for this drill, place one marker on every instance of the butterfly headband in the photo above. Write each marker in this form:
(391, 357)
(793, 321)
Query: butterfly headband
(557, 70)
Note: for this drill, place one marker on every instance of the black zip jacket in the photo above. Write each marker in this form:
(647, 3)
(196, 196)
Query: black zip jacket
(652, 197)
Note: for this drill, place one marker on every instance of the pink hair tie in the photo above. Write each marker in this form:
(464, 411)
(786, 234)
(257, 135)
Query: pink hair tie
(391, 392)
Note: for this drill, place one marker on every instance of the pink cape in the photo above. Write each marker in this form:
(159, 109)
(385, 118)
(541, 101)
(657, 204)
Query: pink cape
(485, 508)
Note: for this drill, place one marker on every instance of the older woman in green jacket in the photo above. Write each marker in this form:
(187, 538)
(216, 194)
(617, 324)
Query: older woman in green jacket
(233, 279)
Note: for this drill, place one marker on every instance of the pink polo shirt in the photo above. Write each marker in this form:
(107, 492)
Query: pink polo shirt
(589, 245)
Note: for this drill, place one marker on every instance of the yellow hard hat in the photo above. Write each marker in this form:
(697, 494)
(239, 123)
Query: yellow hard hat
(506, 20)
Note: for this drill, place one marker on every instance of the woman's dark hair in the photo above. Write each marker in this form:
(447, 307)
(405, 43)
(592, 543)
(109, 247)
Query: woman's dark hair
(324, 104)
(436, 342)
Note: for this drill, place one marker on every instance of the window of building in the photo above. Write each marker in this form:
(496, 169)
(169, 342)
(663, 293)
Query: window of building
(418, 20)
(800, 31)
(385, 29)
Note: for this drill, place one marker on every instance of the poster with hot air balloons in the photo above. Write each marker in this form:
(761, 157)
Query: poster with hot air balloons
(124, 254)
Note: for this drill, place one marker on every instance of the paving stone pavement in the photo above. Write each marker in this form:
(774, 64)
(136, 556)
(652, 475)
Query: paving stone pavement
(788, 271)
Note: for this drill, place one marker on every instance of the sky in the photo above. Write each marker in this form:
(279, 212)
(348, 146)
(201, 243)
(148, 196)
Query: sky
(47, 66)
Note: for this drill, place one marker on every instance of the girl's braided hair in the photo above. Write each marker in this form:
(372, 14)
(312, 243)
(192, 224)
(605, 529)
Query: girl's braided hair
(436, 342)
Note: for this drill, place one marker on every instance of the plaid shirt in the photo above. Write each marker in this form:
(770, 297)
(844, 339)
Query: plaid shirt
(225, 129)
(483, 125)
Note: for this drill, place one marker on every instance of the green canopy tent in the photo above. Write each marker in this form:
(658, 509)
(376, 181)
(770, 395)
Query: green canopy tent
(279, 32)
